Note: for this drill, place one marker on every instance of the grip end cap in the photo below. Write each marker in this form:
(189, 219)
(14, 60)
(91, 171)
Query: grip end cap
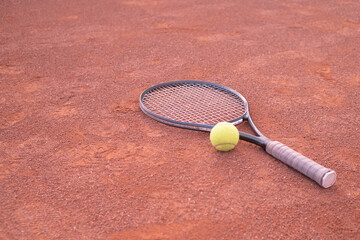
(328, 179)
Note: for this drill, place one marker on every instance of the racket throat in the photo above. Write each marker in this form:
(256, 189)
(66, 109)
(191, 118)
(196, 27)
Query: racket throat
(253, 127)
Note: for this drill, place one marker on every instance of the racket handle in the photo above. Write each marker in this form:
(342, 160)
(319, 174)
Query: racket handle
(323, 176)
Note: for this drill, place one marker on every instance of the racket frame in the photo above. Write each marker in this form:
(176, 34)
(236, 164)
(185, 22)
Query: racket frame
(259, 140)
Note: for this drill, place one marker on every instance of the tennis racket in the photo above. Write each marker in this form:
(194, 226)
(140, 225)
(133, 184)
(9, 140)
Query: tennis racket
(200, 105)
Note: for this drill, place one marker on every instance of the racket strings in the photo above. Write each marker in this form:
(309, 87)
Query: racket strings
(194, 103)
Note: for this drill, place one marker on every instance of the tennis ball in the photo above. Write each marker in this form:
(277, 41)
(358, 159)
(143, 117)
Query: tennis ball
(224, 136)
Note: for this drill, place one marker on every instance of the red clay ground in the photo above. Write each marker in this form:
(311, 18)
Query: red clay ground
(79, 160)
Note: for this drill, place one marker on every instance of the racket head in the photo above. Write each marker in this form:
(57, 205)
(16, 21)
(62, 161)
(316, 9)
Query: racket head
(193, 104)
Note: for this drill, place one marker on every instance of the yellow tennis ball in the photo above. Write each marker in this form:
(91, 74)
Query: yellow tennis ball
(224, 136)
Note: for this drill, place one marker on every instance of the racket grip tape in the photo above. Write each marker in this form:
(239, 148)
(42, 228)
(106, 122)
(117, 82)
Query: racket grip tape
(325, 177)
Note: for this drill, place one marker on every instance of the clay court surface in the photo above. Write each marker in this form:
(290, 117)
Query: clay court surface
(79, 160)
